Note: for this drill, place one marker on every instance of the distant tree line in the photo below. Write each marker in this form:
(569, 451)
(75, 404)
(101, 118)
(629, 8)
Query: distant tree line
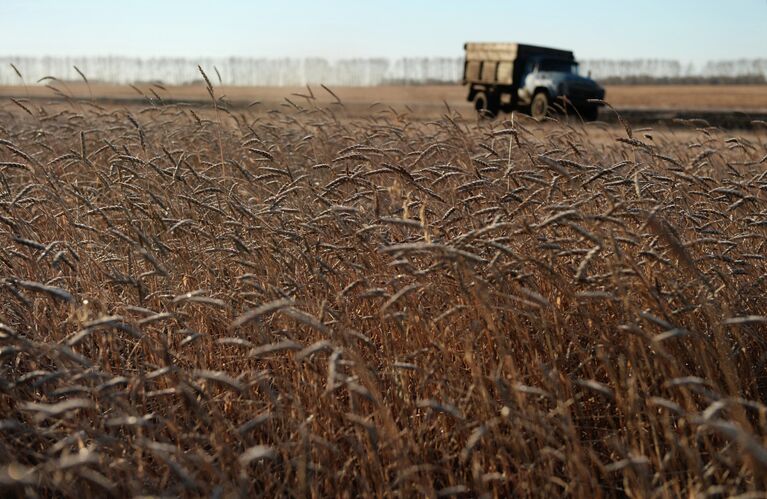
(357, 72)
(662, 71)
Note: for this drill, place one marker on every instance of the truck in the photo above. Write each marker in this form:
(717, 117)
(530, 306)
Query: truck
(537, 80)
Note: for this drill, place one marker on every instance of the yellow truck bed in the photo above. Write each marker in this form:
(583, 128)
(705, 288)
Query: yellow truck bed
(493, 63)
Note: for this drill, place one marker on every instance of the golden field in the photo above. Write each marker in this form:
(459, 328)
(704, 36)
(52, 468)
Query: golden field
(233, 302)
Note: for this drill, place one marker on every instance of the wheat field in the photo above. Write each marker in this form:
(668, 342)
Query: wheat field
(296, 304)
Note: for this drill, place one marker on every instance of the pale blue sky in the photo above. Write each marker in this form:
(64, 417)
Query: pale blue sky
(687, 30)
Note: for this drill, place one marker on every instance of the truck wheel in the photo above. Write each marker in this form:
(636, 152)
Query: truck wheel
(539, 107)
(589, 113)
(484, 106)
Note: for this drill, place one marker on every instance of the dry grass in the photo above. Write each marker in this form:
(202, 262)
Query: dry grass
(377, 307)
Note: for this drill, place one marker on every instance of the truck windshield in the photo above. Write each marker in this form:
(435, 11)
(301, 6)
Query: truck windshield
(558, 66)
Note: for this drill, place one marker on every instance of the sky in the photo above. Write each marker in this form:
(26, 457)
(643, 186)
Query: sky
(685, 30)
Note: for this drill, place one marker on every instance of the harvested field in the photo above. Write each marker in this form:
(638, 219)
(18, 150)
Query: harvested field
(215, 302)
(678, 97)
(689, 97)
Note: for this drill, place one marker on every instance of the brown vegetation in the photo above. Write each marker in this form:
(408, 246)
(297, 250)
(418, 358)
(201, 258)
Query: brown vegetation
(289, 304)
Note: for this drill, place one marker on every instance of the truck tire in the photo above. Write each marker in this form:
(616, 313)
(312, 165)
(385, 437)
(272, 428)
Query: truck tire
(589, 113)
(485, 105)
(539, 107)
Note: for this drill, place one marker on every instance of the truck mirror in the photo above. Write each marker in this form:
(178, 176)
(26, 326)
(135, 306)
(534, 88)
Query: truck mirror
(589, 73)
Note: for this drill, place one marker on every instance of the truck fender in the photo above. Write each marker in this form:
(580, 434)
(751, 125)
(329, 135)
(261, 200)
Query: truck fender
(544, 89)
(473, 91)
